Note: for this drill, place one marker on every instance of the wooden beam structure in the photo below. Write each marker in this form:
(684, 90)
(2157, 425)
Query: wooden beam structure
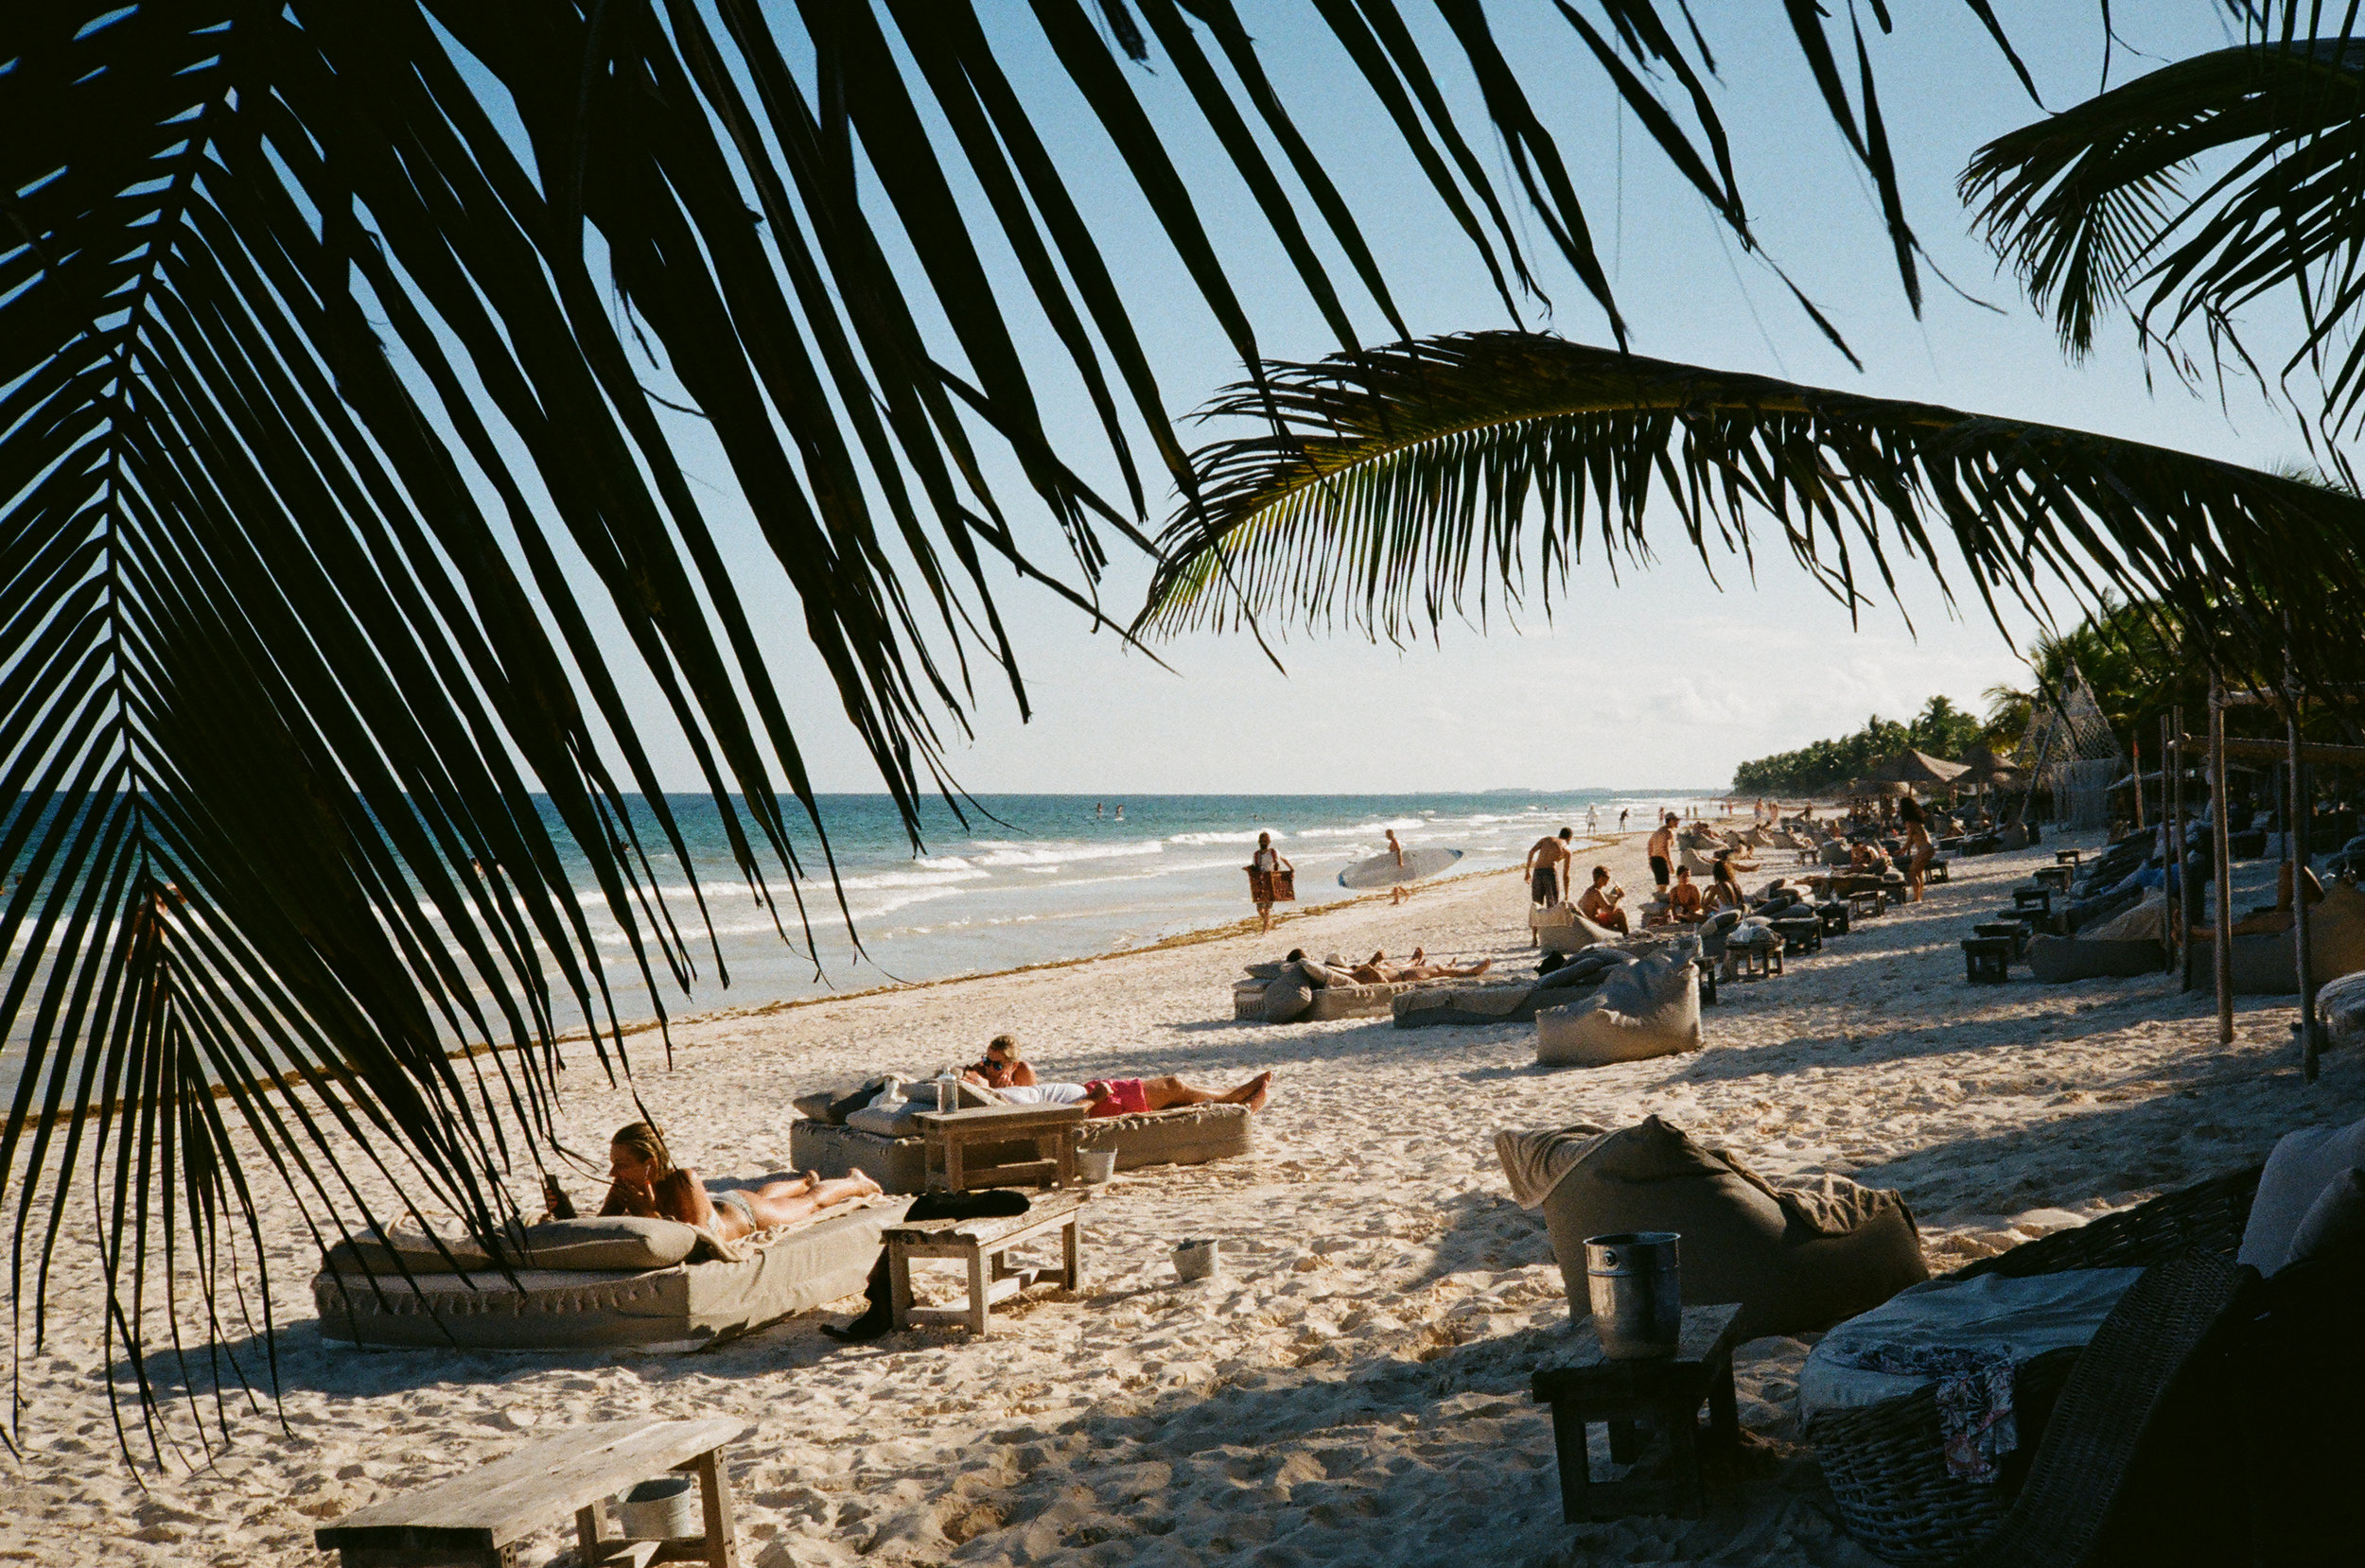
(2243, 748)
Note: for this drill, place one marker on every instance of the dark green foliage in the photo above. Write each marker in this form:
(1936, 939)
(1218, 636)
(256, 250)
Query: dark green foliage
(1942, 730)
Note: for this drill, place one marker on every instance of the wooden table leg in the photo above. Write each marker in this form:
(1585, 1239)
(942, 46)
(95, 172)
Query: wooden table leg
(1575, 1465)
(980, 1302)
(955, 1179)
(587, 1544)
(714, 1488)
(1724, 1408)
(899, 1285)
(1072, 1248)
(1683, 1448)
(1624, 1442)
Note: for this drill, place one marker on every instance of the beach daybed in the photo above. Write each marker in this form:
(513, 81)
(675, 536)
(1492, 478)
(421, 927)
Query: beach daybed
(1648, 1008)
(1798, 1256)
(619, 1282)
(1509, 1001)
(1187, 1135)
(1312, 992)
(2057, 960)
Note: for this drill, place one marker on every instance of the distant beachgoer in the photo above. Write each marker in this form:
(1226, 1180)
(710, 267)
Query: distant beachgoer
(1120, 810)
(1919, 851)
(1683, 898)
(1096, 810)
(1622, 811)
(1599, 903)
(1261, 867)
(1592, 818)
(647, 1183)
(1661, 849)
(1398, 892)
(1545, 864)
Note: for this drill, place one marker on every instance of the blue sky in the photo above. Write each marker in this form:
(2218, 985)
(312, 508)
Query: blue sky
(1661, 678)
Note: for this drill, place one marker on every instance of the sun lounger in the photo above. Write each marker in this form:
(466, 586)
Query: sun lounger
(1187, 1135)
(681, 1307)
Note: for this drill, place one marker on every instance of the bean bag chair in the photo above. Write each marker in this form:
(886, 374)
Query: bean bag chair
(1799, 1256)
(2269, 966)
(2342, 1005)
(1648, 1008)
(1289, 998)
(2057, 960)
(1575, 935)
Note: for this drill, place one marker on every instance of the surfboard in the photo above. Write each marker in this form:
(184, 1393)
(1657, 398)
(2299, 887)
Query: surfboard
(1383, 871)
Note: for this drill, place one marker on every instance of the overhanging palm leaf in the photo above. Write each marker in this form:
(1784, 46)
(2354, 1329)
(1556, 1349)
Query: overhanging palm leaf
(2092, 205)
(323, 443)
(1408, 479)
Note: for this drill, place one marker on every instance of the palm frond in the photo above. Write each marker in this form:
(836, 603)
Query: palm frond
(2099, 204)
(1417, 481)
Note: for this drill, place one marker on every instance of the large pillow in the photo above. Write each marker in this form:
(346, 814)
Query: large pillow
(2336, 1221)
(831, 1104)
(899, 1120)
(1648, 1008)
(1797, 1258)
(1288, 999)
(2303, 1164)
(608, 1243)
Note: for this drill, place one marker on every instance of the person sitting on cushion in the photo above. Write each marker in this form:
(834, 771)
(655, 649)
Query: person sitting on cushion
(1683, 899)
(1599, 903)
(1132, 1096)
(648, 1184)
(1724, 892)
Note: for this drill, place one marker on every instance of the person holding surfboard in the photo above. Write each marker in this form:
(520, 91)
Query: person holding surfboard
(1397, 892)
(1267, 884)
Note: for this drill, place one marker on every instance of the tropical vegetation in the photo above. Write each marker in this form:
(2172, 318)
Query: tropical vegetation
(1941, 730)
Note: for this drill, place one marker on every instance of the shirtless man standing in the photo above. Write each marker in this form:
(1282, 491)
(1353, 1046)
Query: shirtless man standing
(1544, 867)
(1661, 849)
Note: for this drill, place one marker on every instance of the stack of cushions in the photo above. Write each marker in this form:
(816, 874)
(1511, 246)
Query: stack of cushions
(2311, 1199)
(1797, 1258)
(1648, 1008)
(887, 1104)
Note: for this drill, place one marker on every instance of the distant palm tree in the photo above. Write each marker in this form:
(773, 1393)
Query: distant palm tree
(360, 362)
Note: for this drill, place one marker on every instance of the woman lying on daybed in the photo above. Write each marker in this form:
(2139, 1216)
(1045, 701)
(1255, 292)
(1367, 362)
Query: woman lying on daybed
(650, 1185)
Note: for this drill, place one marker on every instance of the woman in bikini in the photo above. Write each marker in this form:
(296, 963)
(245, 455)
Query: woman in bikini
(1919, 849)
(648, 1184)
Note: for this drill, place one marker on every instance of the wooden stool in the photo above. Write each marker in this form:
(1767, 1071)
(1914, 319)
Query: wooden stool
(1934, 872)
(2065, 856)
(2033, 900)
(1987, 960)
(1834, 913)
(1864, 903)
(953, 1137)
(2014, 931)
(984, 1245)
(1581, 1386)
(1757, 962)
(2055, 877)
(476, 1519)
(1801, 936)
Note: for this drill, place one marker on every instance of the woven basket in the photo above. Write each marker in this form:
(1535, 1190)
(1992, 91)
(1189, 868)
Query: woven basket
(1884, 1463)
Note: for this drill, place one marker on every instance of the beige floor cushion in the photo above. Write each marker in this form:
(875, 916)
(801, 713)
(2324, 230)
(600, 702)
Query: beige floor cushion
(1799, 1256)
(1648, 1008)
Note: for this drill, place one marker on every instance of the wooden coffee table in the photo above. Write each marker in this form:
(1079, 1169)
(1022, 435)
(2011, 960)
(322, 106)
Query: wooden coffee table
(984, 1245)
(953, 1137)
(1582, 1386)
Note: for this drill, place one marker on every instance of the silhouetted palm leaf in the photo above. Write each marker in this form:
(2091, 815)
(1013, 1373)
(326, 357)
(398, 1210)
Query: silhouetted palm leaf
(2093, 204)
(1407, 480)
(324, 444)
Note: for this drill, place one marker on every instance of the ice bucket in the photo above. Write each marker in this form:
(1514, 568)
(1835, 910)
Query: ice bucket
(666, 1509)
(1635, 1282)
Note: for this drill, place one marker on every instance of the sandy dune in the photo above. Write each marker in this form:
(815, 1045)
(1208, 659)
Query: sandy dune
(1352, 1388)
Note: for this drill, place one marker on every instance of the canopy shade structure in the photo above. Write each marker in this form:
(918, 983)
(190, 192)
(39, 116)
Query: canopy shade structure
(1916, 767)
(1982, 766)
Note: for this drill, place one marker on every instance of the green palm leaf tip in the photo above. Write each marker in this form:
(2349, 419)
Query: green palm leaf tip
(1401, 484)
(2092, 207)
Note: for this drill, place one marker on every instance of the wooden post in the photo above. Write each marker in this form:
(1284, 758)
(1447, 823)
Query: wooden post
(2222, 859)
(2136, 742)
(2301, 809)
(2180, 898)
(2167, 845)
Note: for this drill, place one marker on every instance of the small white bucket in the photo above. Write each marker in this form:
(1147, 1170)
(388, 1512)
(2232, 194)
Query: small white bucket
(665, 1508)
(1094, 1167)
(1194, 1261)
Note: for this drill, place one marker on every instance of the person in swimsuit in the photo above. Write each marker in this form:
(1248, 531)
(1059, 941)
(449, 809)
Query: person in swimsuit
(1132, 1096)
(1545, 861)
(647, 1183)
(1919, 851)
(1397, 892)
(1683, 898)
(1376, 971)
(1261, 866)
(1599, 903)
(1661, 849)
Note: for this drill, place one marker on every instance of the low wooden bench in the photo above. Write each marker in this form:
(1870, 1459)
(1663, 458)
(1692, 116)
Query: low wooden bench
(476, 1519)
(1662, 1397)
(955, 1138)
(984, 1245)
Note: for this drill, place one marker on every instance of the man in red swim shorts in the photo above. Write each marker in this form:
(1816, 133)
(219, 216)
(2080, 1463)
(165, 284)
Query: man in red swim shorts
(1132, 1096)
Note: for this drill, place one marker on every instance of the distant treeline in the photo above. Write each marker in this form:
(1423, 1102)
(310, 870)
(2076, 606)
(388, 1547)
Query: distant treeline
(1942, 730)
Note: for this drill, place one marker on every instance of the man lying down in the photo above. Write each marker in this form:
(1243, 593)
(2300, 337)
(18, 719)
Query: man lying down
(1004, 1068)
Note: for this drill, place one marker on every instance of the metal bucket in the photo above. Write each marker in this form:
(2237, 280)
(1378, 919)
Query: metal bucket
(1635, 1283)
(666, 1509)
(1195, 1261)
(1095, 1167)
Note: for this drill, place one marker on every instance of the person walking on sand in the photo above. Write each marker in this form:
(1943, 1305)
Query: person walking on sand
(1546, 866)
(1261, 869)
(1622, 812)
(1661, 849)
(1919, 851)
(1397, 892)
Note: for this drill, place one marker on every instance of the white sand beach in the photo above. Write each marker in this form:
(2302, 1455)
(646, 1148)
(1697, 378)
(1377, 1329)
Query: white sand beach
(1352, 1388)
